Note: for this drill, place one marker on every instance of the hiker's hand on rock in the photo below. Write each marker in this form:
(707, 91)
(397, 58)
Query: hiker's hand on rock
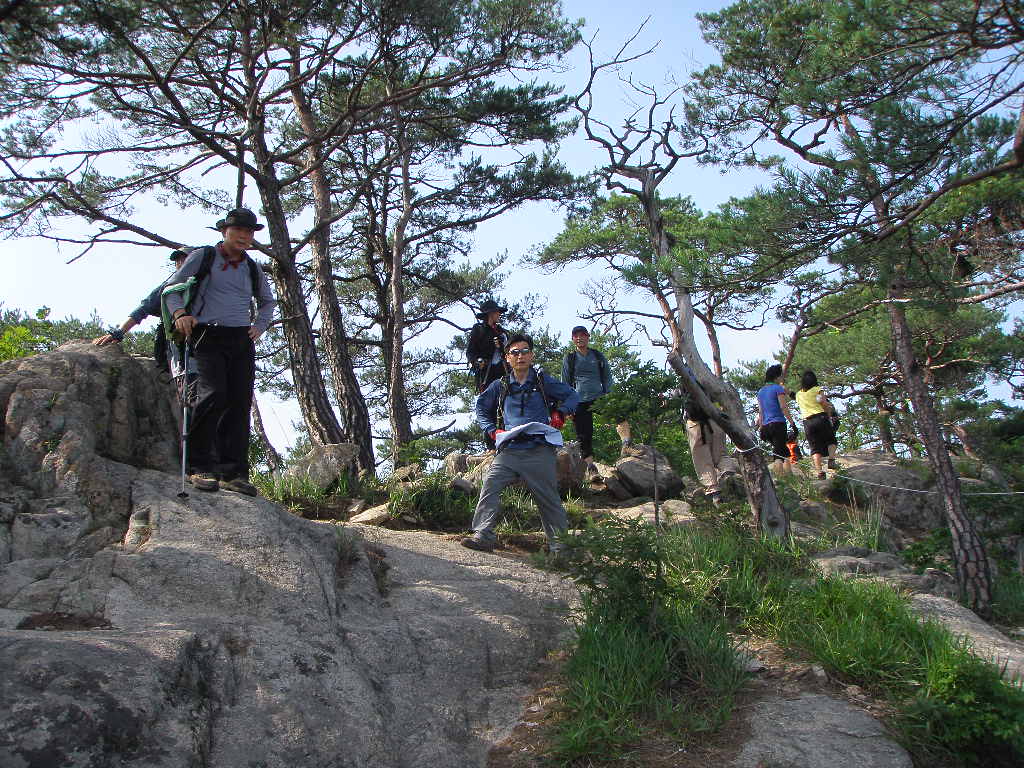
(185, 324)
(102, 341)
(253, 333)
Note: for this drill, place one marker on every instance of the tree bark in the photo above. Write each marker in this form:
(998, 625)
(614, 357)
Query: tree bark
(972, 569)
(355, 416)
(398, 405)
(274, 462)
(310, 390)
(973, 451)
(769, 515)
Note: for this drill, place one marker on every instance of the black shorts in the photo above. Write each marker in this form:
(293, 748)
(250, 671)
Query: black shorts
(820, 433)
(775, 433)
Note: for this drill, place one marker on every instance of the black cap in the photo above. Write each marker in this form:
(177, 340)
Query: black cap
(487, 307)
(240, 217)
(579, 329)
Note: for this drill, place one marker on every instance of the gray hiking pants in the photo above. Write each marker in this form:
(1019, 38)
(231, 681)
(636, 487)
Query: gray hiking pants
(536, 466)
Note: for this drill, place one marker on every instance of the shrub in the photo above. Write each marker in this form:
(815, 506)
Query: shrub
(433, 504)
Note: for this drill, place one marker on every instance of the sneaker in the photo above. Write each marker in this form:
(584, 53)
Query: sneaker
(239, 485)
(822, 476)
(204, 481)
(831, 463)
(472, 542)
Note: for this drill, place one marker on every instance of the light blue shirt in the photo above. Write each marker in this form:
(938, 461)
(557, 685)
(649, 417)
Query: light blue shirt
(590, 384)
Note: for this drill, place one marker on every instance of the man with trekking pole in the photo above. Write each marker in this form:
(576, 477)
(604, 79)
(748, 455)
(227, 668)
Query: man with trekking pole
(220, 326)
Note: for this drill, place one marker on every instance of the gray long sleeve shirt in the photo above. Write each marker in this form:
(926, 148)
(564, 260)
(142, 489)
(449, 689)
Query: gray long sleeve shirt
(224, 296)
(590, 383)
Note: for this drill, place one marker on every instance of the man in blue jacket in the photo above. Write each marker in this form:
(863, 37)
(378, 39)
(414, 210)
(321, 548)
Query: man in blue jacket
(526, 443)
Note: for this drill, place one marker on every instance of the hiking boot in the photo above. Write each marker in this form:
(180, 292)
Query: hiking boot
(238, 485)
(822, 476)
(472, 542)
(204, 481)
(831, 463)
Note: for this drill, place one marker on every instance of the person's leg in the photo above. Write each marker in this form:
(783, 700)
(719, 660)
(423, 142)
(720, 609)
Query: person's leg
(700, 453)
(584, 421)
(537, 469)
(211, 386)
(233, 436)
(832, 450)
(716, 439)
(502, 473)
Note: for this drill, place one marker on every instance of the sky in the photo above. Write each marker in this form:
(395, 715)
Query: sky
(112, 279)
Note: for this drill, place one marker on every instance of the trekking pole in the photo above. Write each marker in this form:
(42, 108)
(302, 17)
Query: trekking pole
(184, 419)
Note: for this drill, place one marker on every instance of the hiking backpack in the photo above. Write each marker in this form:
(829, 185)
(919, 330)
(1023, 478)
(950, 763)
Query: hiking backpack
(601, 362)
(190, 289)
(503, 395)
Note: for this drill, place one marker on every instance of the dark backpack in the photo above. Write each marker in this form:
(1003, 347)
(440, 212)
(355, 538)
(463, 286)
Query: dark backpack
(601, 362)
(503, 394)
(160, 348)
(190, 289)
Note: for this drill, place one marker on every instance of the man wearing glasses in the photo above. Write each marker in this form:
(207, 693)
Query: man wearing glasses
(523, 403)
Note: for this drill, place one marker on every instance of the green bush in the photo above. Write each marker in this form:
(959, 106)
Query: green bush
(643, 660)
(433, 504)
(1008, 598)
(302, 497)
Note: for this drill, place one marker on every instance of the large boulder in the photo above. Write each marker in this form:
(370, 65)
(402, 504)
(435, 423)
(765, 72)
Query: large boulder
(903, 492)
(324, 464)
(569, 467)
(218, 629)
(638, 469)
(816, 731)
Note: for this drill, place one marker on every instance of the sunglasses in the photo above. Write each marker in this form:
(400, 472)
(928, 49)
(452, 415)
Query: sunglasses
(518, 352)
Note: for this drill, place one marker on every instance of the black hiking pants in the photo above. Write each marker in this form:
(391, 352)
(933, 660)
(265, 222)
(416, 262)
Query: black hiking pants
(219, 435)
(584, 421)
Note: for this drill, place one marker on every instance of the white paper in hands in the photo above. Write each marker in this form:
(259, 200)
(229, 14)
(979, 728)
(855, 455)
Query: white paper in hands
(551, 435)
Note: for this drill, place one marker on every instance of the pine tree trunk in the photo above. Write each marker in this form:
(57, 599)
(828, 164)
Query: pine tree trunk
(398, 404)
(972, 569)
(355, 416)
(770, 516)
(274, 462)
(310, 390)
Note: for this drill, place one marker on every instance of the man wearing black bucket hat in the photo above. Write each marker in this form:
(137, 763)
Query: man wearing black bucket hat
(222, 327)
(486, 341)
(485, 349)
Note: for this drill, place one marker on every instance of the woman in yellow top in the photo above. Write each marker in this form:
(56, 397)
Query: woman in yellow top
(817, 413)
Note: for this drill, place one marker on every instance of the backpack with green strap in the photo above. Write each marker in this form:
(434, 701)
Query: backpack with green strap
(190, 288)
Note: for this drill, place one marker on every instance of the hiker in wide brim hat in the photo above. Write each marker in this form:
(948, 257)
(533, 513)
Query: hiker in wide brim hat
(487, 307)
(239, 217)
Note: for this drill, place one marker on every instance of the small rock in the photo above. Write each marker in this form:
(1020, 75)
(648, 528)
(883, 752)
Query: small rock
(373, 516)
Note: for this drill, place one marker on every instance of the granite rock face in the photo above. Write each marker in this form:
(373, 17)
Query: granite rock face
(140, 628)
